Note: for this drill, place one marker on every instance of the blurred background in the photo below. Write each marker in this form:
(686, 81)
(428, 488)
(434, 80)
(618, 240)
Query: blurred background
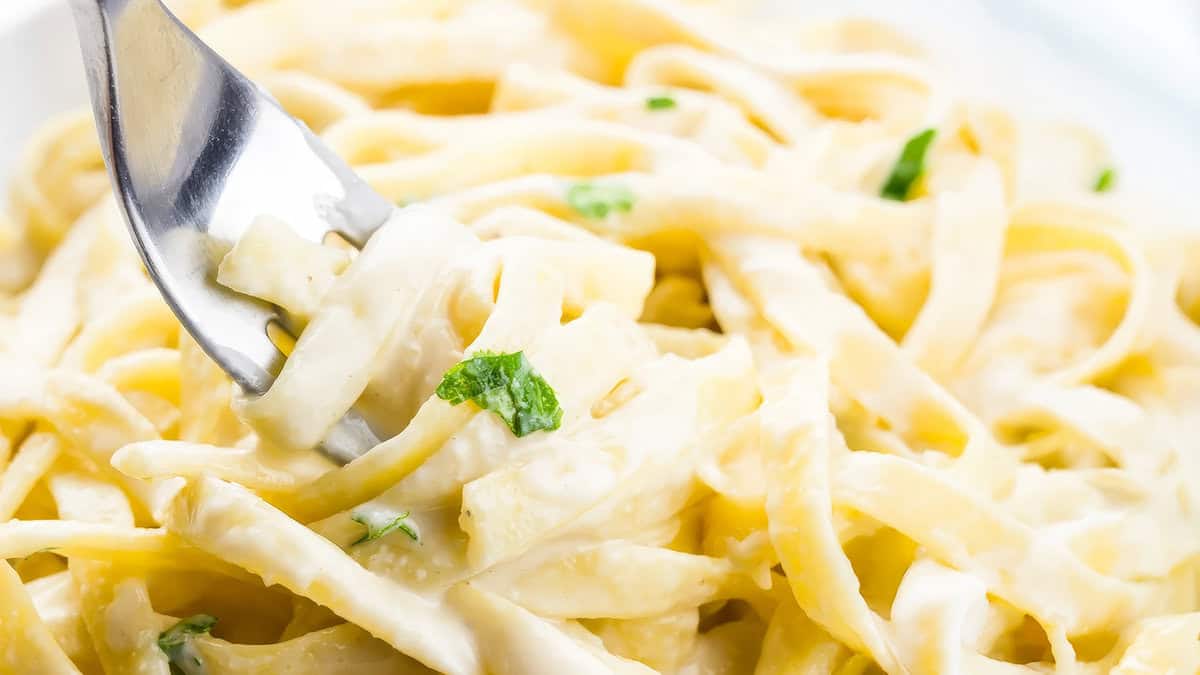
(1129, 69)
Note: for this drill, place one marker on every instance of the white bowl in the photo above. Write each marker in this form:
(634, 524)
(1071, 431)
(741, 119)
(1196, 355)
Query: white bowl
(1070, 58)
(40, 72)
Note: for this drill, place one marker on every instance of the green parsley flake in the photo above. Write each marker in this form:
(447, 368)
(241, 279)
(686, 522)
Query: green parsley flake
(507, 385)
(596, 200)
(380, 523)
(663, 102)
(1106, 181)
(175, 642)
(909, 167)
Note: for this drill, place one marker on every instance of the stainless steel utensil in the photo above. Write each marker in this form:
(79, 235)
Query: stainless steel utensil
(196, 151)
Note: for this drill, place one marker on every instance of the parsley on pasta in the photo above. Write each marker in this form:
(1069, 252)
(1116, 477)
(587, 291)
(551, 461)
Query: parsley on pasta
(507, 385)
(175, 642)
(660, 102)
(1106, 181)
(598, 200)
(909, 167)
(382, 523)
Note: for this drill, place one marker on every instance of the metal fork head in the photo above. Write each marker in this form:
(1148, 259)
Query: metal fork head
(196, 151)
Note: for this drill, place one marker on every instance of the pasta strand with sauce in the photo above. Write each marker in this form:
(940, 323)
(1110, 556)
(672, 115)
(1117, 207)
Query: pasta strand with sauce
(799, 423)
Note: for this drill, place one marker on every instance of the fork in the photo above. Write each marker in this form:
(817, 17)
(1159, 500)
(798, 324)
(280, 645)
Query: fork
(195, 152)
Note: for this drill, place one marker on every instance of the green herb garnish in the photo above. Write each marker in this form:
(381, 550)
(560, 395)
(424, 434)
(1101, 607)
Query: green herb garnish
(1106, 181)
(909, 167)
(594, 200)
(175, 642)
(507, 385)
(663, 102)
(380, 523)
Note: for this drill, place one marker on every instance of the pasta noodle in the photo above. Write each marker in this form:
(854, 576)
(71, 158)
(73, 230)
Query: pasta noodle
(768, 416)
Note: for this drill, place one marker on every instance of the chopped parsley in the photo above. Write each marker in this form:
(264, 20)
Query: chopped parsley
(507, 385)
(175, 642)
(662, 102)
(1106, 181)
(909, 167)
(380, 523)
(597, 200)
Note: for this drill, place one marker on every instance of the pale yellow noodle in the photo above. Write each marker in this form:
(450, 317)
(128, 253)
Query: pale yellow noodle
(805, 429)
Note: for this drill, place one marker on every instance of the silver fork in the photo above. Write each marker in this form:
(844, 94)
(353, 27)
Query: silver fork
(196, 151)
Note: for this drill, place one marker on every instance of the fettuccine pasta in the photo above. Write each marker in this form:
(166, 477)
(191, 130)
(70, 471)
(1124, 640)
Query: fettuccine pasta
(700, 345)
